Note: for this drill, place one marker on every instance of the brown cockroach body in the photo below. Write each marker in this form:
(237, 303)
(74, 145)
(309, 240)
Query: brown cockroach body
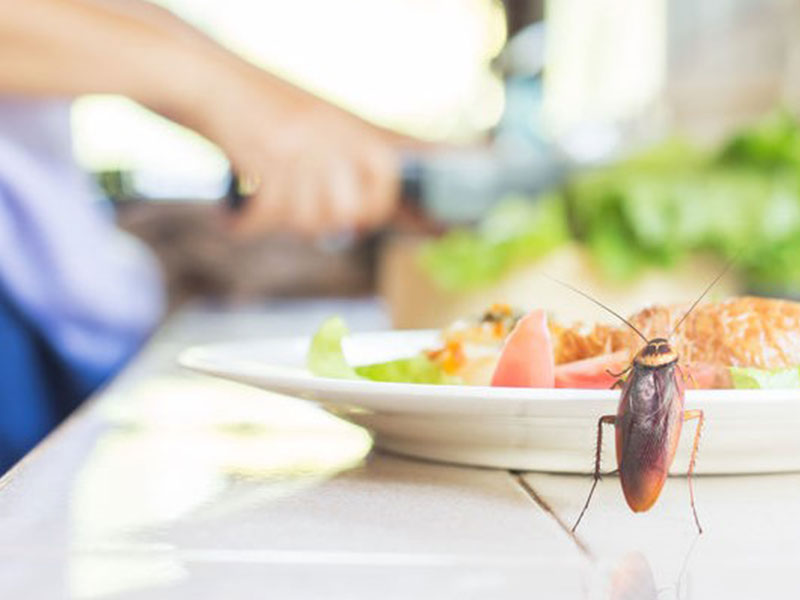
(648, 425)
(649, 418)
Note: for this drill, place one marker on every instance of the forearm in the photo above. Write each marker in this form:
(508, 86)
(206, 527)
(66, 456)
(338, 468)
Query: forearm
(137, 49)
(72, 47)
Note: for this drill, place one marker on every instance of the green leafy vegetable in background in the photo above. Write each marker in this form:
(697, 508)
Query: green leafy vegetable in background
(326, 359)
(772, 143)
(516, 232)
(750, 378)
(654, 209)
(631, 217)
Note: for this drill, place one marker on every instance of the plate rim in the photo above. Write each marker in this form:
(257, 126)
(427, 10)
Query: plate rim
(196, 358)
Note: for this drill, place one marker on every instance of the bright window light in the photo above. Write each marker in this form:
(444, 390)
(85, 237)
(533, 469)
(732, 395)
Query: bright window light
(418, 66)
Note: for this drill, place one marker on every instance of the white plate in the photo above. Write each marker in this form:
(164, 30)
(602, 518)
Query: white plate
(746, 431)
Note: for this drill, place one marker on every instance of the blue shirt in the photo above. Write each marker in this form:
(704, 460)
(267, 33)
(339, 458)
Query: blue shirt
(92, 292)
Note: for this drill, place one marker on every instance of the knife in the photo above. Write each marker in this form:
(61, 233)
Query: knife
(452, 187)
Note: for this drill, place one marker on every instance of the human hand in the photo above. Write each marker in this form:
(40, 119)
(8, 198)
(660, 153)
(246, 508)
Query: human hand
(316, 168)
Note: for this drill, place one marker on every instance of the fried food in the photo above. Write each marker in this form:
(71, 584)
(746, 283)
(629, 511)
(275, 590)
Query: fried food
(740, 332)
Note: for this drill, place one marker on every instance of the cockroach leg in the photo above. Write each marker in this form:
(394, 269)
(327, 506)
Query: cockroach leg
(687, 376)
(609, 420)
(700, 416)
(621, 373)
(617, 384)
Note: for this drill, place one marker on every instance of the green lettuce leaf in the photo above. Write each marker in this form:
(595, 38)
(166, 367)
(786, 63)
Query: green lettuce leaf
(751, 378)
(326, 359)
(417, 369)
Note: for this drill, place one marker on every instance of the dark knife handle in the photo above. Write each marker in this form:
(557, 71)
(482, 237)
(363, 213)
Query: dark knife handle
(411, 178)
(239, 189)
(237, 194)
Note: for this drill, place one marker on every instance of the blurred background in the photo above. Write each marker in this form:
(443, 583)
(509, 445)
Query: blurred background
(630, 147)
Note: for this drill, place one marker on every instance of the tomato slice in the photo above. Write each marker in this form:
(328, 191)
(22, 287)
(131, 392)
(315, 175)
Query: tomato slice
(527, 356)
(706, 376)
(592, 373)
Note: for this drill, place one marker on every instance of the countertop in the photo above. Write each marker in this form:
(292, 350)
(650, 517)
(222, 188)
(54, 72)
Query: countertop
(173, 485)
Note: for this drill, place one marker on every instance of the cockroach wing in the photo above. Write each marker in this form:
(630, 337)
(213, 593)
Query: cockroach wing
(648, 427)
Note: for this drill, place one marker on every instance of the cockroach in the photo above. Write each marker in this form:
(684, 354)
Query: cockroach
(649, 418)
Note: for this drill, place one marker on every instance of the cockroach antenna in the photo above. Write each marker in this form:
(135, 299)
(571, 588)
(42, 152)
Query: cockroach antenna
(703, 295)
(598, 303)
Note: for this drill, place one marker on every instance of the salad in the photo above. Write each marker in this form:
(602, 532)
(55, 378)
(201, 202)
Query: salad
(742, 342)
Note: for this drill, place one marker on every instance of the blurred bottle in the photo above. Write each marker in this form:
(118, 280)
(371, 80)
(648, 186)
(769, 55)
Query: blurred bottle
(730, 62)
(605, 71)
(620, 74)
(461, 186)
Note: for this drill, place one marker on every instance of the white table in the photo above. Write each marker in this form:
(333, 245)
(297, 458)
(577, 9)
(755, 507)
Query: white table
(171, 485)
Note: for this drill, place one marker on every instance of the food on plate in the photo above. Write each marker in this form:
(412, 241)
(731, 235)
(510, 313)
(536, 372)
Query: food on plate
(526, 359)
(326, 358)
(596, 372)
(740, 332)
(742, 342)
(471, 347)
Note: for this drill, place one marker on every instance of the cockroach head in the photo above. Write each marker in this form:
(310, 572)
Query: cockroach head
(657, 353)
